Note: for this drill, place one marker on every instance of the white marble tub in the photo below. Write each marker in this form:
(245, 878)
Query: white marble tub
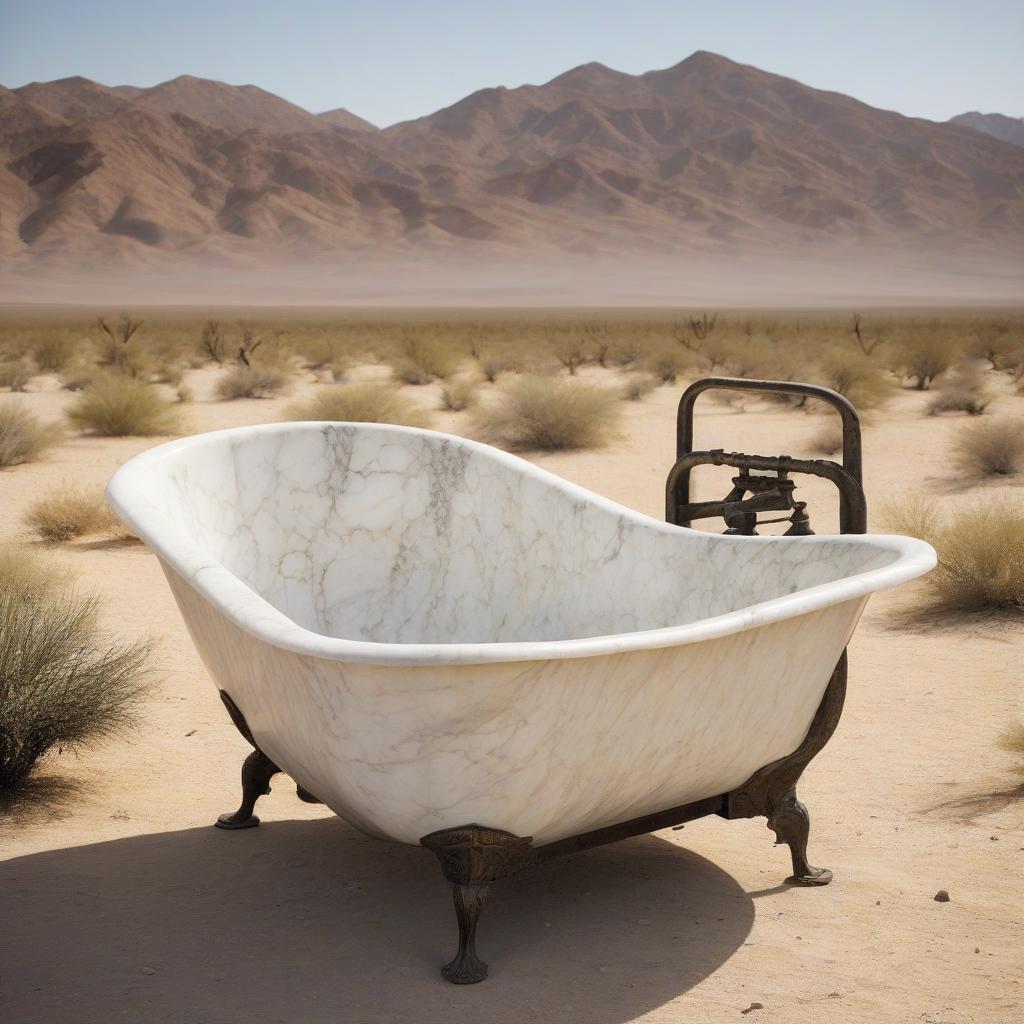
(434, 637)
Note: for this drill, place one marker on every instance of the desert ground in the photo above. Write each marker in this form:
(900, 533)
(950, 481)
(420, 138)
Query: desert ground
(121, 902)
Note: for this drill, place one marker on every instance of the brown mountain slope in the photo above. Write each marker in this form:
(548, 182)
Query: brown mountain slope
(231, 107)
(73, 98)
(342, 118)
(705, 154)
(999, 126)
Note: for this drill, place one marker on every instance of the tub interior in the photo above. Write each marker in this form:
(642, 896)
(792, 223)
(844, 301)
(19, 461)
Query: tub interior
(382, 535)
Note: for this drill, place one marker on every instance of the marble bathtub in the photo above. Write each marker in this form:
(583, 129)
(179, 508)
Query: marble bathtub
(429, 634)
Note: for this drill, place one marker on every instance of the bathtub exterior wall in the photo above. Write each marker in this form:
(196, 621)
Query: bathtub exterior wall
(548, 748)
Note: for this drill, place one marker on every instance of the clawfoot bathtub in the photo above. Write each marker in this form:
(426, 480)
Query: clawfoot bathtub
(449, 646)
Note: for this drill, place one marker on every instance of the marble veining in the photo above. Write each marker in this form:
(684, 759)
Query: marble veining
(425, 631)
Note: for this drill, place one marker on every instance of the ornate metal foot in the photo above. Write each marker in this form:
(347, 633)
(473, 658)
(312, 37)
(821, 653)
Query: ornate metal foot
(772, 790)
(467, 968)
(471, 858)
(791, 824)
(257, 771)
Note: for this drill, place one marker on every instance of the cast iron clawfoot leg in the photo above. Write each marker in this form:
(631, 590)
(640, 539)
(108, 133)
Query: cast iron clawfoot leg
(791, 824)
(257, 771)
(772, 790)
(467, 968)
(471, 858)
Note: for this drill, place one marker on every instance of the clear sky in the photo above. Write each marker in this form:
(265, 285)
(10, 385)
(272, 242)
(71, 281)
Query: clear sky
(388, 60)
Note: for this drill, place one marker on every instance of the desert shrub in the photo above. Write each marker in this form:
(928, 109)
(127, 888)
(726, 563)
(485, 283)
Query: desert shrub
(63, 682)
(991, 448)
(213, 343)
(980, 553)
(68, 512)
(570, 351)
(666, 366)
(828, 440)
(360, 403)
(118, 406)
(15, 374)
(924, 356)
(637, 386)
(115, 343)
(855, 377)
(22, 437)
(249, 382)
(626, 352)
(421, 359)
(549, 414)
(493, 365)
(78, 379)
(409, 372)
(952, 399)
(53, 351)
(1011, 739)
(962, 391)
(458, 395)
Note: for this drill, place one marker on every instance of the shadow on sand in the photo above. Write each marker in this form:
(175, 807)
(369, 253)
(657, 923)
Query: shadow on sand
(310, 921)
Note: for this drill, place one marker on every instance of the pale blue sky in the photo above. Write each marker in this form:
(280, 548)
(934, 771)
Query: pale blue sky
(388, 60)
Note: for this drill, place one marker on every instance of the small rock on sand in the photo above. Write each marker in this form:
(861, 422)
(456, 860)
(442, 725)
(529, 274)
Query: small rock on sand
(941, 896)
(753, 1006)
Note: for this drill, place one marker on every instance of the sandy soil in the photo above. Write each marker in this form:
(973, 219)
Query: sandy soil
(123, 904)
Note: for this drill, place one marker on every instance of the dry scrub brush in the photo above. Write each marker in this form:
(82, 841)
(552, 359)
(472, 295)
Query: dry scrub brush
(63, 681)
(119, 406)
(638, 385)
(16, 374)
(963, 391)
(22, 437)
(360, 403)
(980, 553)
(68, 512)
(459, 395)
(991, 448)
(250, 382)
(1011, 739)
(550, 414)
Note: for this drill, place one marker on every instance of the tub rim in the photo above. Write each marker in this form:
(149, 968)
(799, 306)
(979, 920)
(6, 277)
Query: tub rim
(249, 611)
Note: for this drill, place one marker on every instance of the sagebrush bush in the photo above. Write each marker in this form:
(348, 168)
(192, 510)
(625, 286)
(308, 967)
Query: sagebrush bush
(458, 395)
(951, 399)
(16, 374)
(22, 437)
(637, 386)
(68, 512)
(120, 406)
(53, 351)
(360, 403)
(491, 366)
(964, 390)
(550, 414)
(924, 356)
(1011, 739)
(991, 448)
(423, 358)
(63, 681)
(855, 377)
(980, 553)
(666, 365)
(827, 440)
(250, 382)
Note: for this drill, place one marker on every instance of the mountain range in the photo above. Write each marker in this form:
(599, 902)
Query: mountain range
(700, 157)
